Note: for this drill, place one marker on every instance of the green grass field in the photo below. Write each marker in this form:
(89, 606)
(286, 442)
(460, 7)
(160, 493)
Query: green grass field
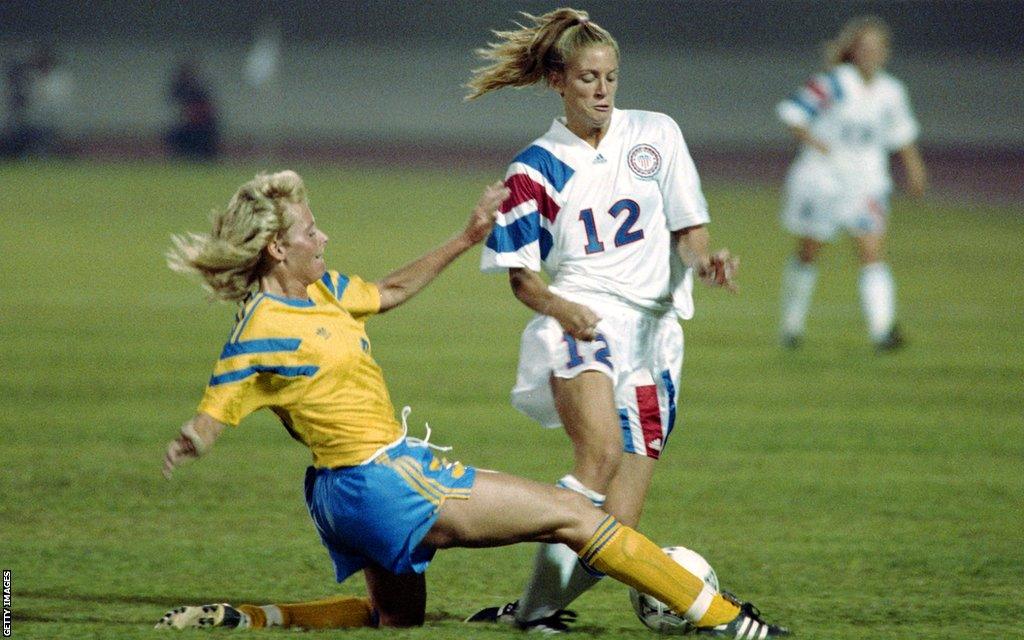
(849, 495)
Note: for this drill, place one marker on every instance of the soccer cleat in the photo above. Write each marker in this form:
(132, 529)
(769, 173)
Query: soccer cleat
(791, 341)
(558, 622)
(892, 341)
(207, 615)
(748, 625)
(505, 614)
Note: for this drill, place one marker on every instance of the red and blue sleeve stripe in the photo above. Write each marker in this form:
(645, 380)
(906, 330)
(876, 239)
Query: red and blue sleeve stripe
(818, 93)
(556, 172)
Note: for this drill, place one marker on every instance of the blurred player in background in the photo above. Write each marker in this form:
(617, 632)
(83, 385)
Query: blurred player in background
(381, 501)
(40, 94)
(608, 204)
(848, 119)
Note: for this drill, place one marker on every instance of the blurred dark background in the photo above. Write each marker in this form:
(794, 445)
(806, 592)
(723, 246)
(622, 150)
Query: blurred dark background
(355, 79)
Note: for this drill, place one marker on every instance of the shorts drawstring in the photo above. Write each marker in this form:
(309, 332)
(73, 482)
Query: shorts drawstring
(419, 442)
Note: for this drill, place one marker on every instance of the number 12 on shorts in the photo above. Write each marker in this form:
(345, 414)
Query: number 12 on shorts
(596, 350)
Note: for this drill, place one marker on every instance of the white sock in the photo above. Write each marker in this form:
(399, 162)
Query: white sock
(273, 612)
(798, 279)
(878, 299)
(558, 577)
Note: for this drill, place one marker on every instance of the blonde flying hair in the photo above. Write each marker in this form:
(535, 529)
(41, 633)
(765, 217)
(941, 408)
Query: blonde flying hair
(840, 49)
(230, 260)
(528, 55)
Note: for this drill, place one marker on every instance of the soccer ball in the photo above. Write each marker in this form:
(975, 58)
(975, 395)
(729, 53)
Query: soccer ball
(657, 615)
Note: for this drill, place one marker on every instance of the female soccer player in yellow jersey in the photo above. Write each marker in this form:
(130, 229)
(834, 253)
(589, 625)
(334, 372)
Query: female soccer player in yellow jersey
(382, 503)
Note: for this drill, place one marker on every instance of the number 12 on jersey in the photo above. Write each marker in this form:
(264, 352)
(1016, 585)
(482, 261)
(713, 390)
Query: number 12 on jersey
(624, 235)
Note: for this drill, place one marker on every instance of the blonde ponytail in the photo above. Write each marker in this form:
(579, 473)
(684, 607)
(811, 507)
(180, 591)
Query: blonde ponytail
(530, 54)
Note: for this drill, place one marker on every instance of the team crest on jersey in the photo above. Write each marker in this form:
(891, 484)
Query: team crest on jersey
(644, 161)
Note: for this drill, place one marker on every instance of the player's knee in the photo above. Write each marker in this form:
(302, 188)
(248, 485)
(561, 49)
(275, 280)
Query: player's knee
(579, 517)
(602, 459)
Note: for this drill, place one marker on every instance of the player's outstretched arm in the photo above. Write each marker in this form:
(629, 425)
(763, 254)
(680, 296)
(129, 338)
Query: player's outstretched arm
(196, 437)
(405, 282)
(714, 269)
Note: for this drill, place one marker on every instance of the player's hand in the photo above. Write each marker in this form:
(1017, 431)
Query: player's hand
(179, 450)
(720, 271)
(485, 213)
(578, 320)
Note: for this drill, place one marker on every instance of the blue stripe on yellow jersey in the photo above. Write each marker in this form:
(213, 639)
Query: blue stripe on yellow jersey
(239, 374)
(244, 314)
(232, 349)
(335, 283)
(309, 361)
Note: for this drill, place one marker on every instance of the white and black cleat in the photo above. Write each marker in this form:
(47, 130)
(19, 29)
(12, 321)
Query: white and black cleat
(207, 615)
(556, 623)
(747, 625)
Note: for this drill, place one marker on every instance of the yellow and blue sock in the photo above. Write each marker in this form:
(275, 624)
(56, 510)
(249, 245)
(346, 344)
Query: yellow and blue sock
(629, 557)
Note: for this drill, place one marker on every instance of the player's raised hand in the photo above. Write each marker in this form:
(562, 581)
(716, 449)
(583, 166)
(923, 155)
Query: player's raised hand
(486, 212)
(721, 270)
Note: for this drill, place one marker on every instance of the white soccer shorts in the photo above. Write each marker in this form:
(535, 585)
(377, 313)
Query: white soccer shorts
(640, 353)
(817, 207)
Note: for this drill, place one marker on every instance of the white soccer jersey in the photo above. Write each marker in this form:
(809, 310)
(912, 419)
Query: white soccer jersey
(598, 221)
(861, 122)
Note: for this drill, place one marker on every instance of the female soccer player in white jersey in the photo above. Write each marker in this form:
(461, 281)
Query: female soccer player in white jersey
(607, 203)
(848, 119)
(381, 502)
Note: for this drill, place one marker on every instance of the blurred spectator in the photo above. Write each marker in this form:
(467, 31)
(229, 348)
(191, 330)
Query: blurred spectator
(39, 90)
(195, 136)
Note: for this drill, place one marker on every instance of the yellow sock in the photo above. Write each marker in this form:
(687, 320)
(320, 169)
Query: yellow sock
(629, 557)
(329, 613)
(257, 618)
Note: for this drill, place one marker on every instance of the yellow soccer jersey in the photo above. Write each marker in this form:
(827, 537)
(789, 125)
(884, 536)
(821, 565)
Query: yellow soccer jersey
(309, 361)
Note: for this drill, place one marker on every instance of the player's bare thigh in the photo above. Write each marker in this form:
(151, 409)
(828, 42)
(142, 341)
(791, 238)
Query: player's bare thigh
(503, 509)
(586, 406)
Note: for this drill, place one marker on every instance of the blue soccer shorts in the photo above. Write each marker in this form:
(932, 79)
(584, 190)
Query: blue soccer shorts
(379, 512)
